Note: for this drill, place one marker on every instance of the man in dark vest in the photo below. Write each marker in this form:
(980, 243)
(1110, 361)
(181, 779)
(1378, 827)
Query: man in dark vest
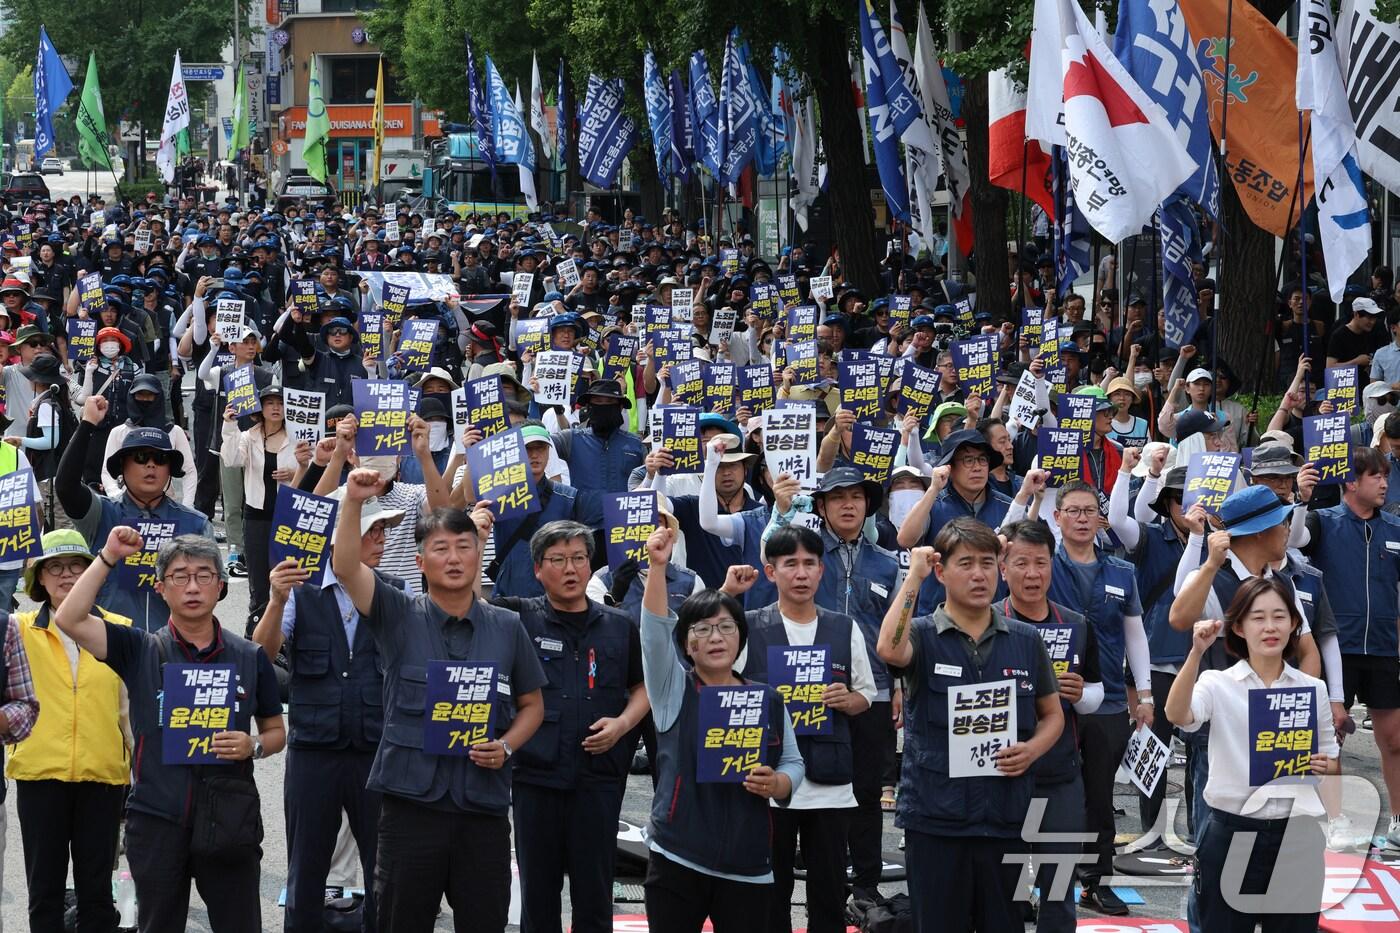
(433, 801)
(337, 716)
(602, 455)
(568, 783)
(959, 831)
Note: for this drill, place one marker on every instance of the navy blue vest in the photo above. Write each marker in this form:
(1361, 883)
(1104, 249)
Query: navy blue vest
(929, 800)
(337, 691)
(1062, 763)
(1157, 556)
(146, 608)
(1349, 551)
(601, 464)
(515, 574)
(718, 825)
(948, 506)
(863, 592)
(680, 583)
(827, 757)
(1103, 607)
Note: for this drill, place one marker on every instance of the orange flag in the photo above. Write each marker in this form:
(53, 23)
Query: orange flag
(1262, 149)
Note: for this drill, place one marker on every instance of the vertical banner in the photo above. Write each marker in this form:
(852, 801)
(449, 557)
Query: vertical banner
(800, 675)
(981, 722)
(680, 434)
(381, 407)
(457, 709)
(302, 525)
(790, 444)
(975, 360)
(1061, 453)
(860, 386)
(630, 518)
(198, 702)
(1341, 385)
(732, 733)
(240, 391)
(1327, 446)
(501, 472)
(416, 344)
(305, 414)
(719, 388)
(1210, 475)
(1283, 733)
(82, 339)
(873, 450)
(19, 516)
(485, 406)
(755, 387)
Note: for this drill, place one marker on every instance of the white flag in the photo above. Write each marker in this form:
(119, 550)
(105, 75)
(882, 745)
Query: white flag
(1124, 155)
(177, 118)
(919, 136)
(527, 172)
(808, 173)
(937, 107)
(1343, 218)
(537, 121)
(1369, 50)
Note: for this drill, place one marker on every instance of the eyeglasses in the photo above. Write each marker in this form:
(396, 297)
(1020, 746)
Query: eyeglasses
(704, 630)
(66, 568)
(1085, 512)
(971, 461)
(338, 332)
(158, 457)
(375, 533)
(183, 577)
(559, 563)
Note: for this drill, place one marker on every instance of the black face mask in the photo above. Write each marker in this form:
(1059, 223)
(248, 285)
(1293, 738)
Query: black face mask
(146, 414)
(605, 419)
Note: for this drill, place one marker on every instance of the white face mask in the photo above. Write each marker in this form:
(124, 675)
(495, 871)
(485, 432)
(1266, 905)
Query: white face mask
(1142, 379)
(437, 435)
(901, 501)
(110, 349)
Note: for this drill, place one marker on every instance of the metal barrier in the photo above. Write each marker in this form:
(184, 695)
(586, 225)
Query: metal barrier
(351, 199)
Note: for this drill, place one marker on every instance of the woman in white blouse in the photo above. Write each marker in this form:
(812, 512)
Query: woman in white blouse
(1262, 702)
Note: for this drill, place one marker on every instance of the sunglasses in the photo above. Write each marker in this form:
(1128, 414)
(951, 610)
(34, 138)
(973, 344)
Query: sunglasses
(158, 457)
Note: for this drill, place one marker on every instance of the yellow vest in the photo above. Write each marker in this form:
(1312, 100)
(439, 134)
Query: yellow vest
(76, 736)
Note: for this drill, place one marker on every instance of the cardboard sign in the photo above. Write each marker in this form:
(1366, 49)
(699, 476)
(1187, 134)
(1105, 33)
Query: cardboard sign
(800, 675)
(484, 401)
(630, 518)
(555, 371)
(619, 350)
(1061, 454)
(567, 271)
(302, 525)
(918, 390)
(1341, 384)
(732, 732)
(801, 323)
(457, 706)
(303, 294)
(1327, 446)
(755, 387)
(788, 292)
(416, 344)
(873, 450)
(19, 516)
(197, 702)
(688, 383)
(305, 413)
(1210, 476)
(1062, 644)
(1076, 413)
(241, 391)
(1146, 759)
(719, 388)
(981, 722)
(137, 572)
(392, 301)
(520, 288)
(1024, 407)
(680, 434)
(501, 472)
(381, 407)
(1283, 733)
(976, 363)
(82, 338)
(722, 326)
(790, 444)
(228, 319)
(821, 289)
(860, 386)
(90, 293)
(682, 303)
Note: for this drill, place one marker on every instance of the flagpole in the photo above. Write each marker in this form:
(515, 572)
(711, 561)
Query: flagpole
(1021, 226)
(1278, 273)
(1302, 251)
(1223, 234)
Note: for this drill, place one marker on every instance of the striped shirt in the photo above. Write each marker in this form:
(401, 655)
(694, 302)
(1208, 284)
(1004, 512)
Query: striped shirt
(400, 548)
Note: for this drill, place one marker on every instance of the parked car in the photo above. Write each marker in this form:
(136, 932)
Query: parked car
(51, 164)
(300, 186)
(24, 186)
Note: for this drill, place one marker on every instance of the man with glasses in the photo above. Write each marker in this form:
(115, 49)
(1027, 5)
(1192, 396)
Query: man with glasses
(569, 779)
(146, 462)
(170, 800)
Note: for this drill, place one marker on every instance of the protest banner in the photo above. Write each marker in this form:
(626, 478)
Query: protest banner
(136, 573)
(1061, 453)
(1076, 413)
(967, 323)
(1024, 409)
(682, 301)
(484, 401)
(873, 450)
(228, 319)
(19, 516)
(197, 701)
(90, 293)
(1210, 476)
(790, 444)
(619, 350)
(630, 518)
(1062, 645)
(755, 387)
(820, 288)
(981, 722)
(457, 706)
(302, 525)
(729, 261)
(554, 372)
(501, 472)
(532, 336)
(240, 391)
(976, 362)
(917, 391)
(722, 326)
(733, 725)
(1327, 446)
(719, 388)
(688, 383)
(141, 243)
(1283, 733)
(788, 292)
(391, 231)
(392, 301)
(567, 271)
(303, 295)
(801, 323)
(1341, 385)
(802, 360)
(416, 344)
(381, 407)
(680, 434)
(1032, 321)
(800, 675)
(858, 379)
(305, 413)
(520, 288)
(1146, 759)
(82, 338)
(763, 301)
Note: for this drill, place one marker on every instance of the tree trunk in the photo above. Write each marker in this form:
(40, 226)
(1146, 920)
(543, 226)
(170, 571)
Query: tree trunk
(989, 205)
(1247, 293)
(651, 188)
(847, 191)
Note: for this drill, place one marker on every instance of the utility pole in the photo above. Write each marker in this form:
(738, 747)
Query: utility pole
(237, 65)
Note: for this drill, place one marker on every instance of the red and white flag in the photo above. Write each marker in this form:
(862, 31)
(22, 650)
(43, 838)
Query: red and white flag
(1124, 156)
(1013, 163)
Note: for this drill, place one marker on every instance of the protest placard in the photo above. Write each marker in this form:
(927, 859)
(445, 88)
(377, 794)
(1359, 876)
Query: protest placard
(976, 363)
(630, 518)
(240, 391)
(800, 675)
(136, 573)
(1076, 413)
(981, 722)
(729, 261)
(1062, 644)
(567, 273)
(501, 472)
(901, 310)
(1146, 759)
(688, 383)
(1327, 446)
(682, 301)
(520, 287)
(1054, 372)
(680, 434)
(873, 450)
(392, 301)
(554, 371)
(228, 319)
(755, 387)
(719, 388)
(381, 407)
(391, 231)
(484, 401)
(416, 344)
(788, 292)
(141, 243)
(1283, 733)
(671, 346)
(1210, 476)
(457, 706)
(1341, 385)
(19, 516)
(1061, 454)
(302, 525)
(461, 417)
(90, 293)
(801, 323)
(802, 360)
(733, 726)
(763, 301)
(722, 326)
(820, 288)
(1032, 321)
(197, 701)
(656, 319)
(967, 324)
(619, 350)
(917, 391)
(371, 324)
(303, 295)
(1024, 409)
(82, 338)
(790, 444)
(532, 336)
(858, 378)
(305, 413)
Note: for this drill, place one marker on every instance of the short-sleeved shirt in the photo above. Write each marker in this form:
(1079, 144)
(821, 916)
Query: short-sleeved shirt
(1046, 684)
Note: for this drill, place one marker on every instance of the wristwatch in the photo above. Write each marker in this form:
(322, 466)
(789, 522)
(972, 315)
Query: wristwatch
(508, 750)
(1145, 699)
(257, 749)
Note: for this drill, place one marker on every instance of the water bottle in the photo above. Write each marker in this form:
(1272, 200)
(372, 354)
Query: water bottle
(125, 896)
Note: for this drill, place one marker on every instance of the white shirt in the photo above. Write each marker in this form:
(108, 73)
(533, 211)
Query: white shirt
(1213, 610)
(811, 795)
(1222, 699)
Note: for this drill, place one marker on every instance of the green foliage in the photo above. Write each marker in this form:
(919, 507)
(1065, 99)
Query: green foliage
(1388, 11)
(136, 190)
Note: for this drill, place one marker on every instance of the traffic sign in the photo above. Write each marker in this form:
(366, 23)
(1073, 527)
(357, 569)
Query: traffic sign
(202, 72)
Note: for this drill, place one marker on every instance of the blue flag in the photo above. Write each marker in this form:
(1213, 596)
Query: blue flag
(682, 127)
(605, 133)
(481, 111)
(509, 135)
(658, 101)
(767, 157)
(561, 120)
(1181, 247)
(51, 88)
(705, 108)
(740, 107)
(885, 117)
(1155, 46)
(778, 104)
(1072, 230)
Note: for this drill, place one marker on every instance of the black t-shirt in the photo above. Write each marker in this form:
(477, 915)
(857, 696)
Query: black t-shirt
(1345, 344)
(1089, 659)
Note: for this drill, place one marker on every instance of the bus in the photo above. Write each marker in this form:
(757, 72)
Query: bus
(457, 173)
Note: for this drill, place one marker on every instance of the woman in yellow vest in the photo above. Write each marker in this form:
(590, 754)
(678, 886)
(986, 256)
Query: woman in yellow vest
(71, 772)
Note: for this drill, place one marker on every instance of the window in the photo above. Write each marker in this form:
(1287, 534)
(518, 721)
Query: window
(352, 79)
(347, 6)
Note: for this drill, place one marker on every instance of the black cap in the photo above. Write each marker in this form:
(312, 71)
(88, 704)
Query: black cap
(146, 439)
(968, 437)
(1174, 480)
(606, 388)
(841, 477)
